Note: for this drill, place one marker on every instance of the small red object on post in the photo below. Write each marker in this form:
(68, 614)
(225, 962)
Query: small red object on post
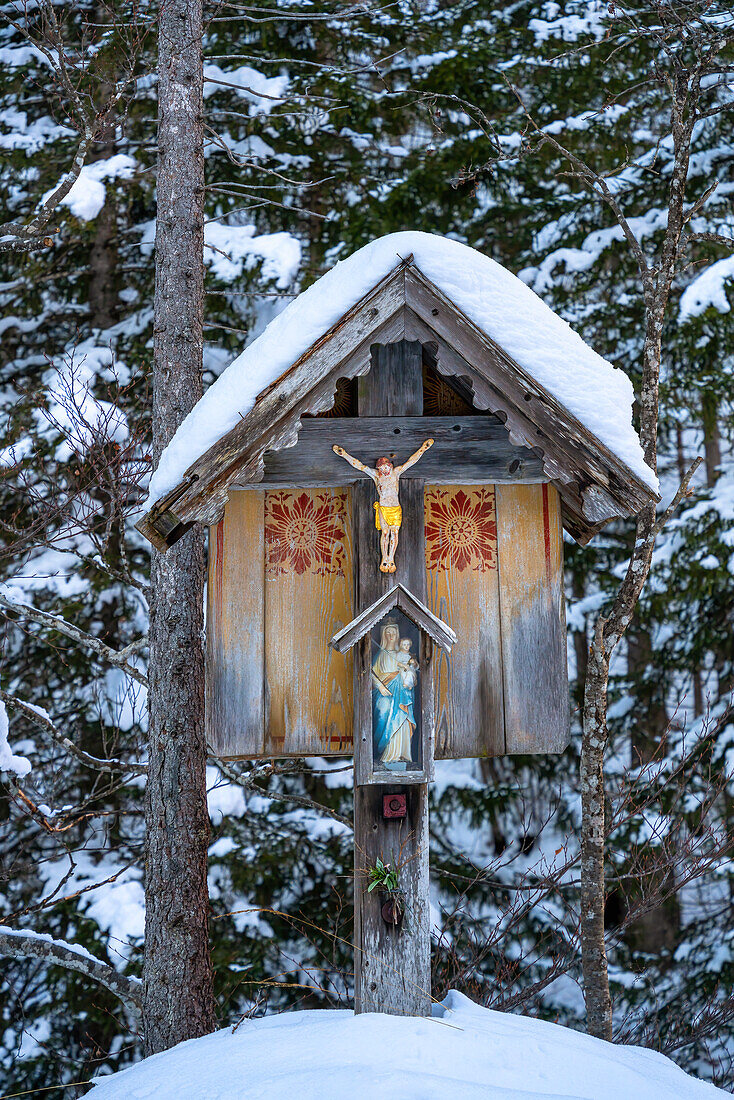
(393, 805)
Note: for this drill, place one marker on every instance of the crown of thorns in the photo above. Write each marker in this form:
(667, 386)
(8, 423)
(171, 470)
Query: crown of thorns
(384, 461)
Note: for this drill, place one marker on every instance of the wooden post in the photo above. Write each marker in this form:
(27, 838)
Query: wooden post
(392, 966)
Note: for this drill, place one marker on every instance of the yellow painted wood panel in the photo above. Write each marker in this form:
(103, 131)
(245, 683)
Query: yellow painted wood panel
(308, 598)
(235, 629)
(462, 586)
(535, 671)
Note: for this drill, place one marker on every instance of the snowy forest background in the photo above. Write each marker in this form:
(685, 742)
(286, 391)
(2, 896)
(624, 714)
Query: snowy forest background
(329, 125)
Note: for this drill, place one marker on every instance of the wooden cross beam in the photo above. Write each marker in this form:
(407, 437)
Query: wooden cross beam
(467, 449)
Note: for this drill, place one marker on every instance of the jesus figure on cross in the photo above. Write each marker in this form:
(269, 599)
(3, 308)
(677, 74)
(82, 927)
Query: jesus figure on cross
(388, 513)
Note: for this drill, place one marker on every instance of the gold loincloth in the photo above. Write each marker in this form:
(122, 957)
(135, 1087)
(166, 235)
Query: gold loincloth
(392, 515)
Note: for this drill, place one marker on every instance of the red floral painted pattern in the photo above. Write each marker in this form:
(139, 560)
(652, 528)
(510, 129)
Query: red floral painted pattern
(461, 530)
(304, 533)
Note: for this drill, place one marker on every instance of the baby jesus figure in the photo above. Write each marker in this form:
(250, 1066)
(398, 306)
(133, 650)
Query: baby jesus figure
(388, 513)
(407, 664)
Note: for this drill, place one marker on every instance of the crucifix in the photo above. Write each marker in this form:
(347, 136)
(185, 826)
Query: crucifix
(388, 513)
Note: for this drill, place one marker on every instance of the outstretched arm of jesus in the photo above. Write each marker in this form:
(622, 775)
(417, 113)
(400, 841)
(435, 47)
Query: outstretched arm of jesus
(354, 461)
(414, 458)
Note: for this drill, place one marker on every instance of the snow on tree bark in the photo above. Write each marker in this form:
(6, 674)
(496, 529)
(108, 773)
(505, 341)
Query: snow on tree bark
(177, 984)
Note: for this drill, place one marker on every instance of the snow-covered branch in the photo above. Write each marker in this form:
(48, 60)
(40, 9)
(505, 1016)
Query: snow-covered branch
(28, 236)
(41, 28)
(118, 658)
(17, 943)
(40, 718)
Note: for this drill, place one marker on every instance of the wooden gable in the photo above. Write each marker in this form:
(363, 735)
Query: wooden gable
(593, 483)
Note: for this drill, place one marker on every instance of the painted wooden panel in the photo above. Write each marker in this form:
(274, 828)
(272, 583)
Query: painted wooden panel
(308, 598)
(281, 584)
(533, 618)
(235, 629)
(463, 590)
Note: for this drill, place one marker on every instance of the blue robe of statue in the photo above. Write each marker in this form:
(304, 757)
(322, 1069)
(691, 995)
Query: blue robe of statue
(390, 713)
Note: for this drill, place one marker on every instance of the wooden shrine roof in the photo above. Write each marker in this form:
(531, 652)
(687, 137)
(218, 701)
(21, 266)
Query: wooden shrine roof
(595, 485)
(397, 596)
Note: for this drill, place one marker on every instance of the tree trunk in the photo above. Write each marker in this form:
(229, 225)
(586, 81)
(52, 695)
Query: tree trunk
(177, 984)
(608, 632)
(593, 895)
(711, 438)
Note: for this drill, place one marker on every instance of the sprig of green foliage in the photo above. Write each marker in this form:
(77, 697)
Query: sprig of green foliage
(384, 877)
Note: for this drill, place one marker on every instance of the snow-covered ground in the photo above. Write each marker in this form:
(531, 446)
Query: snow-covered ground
(464, 1053)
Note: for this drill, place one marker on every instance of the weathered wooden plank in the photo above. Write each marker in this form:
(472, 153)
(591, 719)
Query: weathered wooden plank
(394, 385)
(392, 968)
(553, 421)
(463, 590)
(535, 673)
(467, 449)
(308, 598)
(235, 630)
(392, 965)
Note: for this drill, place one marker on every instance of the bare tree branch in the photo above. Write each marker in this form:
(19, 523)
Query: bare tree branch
(16, 943)
(712, 238)
(111, 766)
(249, 783)
(119, 659)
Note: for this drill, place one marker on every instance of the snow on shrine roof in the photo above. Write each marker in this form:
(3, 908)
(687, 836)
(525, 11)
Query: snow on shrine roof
(598, 394)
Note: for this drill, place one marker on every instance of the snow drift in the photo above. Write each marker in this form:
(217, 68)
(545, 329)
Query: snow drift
(464, 1053)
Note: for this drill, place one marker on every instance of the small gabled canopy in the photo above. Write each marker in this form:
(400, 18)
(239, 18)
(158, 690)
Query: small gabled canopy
(406, 602)
(514, 356)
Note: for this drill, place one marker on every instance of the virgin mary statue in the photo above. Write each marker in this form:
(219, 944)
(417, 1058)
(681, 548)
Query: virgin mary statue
(393, 719)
